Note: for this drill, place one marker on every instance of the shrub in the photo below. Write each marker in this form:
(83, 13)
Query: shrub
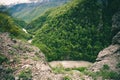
(105, 67)
(59, 69)
(67, 78)
(6, 74)
(2, 58)
(109, 74)
(118, 65)
(25, 74)
(104, 73)
(81, 69)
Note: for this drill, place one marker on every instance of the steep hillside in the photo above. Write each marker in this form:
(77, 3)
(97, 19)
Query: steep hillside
(20, 23)
(108, 61)
(30, 11)
(76, 31)
(8, 24)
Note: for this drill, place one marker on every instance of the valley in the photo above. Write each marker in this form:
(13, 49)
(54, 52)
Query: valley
(60, 40)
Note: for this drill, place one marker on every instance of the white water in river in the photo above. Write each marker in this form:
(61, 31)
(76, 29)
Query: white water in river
(29, 41)
(24, 30)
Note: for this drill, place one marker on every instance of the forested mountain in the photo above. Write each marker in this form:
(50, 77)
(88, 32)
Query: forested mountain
(75, 31)
(10, 25)
(30, 11)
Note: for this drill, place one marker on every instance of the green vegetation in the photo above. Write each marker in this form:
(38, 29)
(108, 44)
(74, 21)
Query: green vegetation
(75, 31)
(6, 74)
(2, 58)
(105, 74)
(25, 74)
(67, 78)
(106, 67)
(20, 23)
(59, 69)
(33, 11)
(7, 24)
(36, 58)
(81, 69)
(118, 65)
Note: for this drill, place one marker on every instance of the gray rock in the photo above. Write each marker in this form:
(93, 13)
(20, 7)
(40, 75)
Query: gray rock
(109, 56)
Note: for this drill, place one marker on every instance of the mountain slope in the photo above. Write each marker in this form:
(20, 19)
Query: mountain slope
(108, 60)
(33, 10)
(76, 31)
(7, 24)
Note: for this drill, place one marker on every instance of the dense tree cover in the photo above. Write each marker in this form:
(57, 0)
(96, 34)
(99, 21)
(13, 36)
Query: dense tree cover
(37, 24)
(20, 23)
(76, 31)
(109, 8)
(7, 24)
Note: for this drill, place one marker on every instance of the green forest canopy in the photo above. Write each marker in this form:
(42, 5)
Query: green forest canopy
(75, 31)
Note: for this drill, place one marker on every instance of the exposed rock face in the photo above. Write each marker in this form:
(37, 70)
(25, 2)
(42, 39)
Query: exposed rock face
(111, 55)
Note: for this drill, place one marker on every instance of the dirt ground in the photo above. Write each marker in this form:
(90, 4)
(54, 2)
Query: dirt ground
(70, 64)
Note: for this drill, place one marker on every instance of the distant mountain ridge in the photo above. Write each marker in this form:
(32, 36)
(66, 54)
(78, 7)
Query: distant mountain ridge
(31, 11)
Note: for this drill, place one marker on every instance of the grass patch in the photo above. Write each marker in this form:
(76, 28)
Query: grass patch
(11, 52)
(25, 74)
(81, 69)
(36, 58)
(105, 67)
(6, 74)
(118, 65)
(66, 78)
(59, 69)
(2, 58)
(105, 74)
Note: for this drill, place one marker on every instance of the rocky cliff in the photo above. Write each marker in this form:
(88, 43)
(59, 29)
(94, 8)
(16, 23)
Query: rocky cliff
(20, 60)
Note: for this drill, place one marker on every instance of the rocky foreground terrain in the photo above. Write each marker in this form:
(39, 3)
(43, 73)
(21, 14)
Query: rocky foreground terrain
(22, 61)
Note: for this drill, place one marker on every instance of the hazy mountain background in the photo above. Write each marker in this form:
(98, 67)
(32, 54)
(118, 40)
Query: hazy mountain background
(11, 25)
(30, 11)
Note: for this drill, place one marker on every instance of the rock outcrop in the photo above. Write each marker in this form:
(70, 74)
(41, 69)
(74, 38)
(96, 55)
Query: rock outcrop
(111, 55)
(25, 60)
